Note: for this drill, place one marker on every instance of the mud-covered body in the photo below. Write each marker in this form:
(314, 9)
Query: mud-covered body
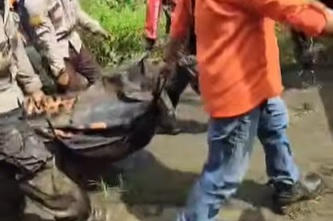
(110, 129)
(112, 119)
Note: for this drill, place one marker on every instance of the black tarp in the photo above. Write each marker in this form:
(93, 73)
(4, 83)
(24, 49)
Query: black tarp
(113, 124)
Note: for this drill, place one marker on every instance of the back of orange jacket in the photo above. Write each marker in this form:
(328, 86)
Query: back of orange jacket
(237, 50)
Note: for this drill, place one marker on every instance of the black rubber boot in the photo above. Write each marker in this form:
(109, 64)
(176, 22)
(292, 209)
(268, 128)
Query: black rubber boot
(285, 195)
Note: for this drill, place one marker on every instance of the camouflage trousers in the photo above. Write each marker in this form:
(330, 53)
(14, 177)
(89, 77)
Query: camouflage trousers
(81, 67)
(27, 169)
(19, 145)
(21, 155)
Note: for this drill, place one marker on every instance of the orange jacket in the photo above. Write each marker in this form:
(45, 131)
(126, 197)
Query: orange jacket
(237, 50)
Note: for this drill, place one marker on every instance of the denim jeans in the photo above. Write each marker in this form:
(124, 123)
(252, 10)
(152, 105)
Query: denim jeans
(230, 142)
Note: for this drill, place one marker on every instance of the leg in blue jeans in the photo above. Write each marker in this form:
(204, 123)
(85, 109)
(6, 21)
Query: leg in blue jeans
(281, 167)
(230, 145)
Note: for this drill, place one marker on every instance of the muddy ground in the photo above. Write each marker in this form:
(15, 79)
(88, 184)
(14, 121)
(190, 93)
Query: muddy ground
(153, 184)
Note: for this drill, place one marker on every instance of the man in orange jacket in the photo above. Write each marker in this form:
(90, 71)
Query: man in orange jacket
(240, 84)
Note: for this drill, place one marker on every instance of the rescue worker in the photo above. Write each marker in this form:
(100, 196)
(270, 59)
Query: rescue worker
(240, 83)
(185, 72)
(153, 13)
(51, 25)
(17, 79)
(16, 70)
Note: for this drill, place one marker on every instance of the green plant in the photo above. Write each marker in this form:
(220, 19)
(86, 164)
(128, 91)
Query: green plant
(124, 20)
(125, 25)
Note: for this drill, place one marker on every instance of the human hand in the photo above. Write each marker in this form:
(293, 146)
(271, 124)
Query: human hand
(38, 97)
(34, 103)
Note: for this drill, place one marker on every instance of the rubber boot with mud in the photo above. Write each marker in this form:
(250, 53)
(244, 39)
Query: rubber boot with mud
(286, 195)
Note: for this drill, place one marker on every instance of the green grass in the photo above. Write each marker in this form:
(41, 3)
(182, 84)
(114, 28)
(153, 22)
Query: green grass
(124, 20)
(125, 25)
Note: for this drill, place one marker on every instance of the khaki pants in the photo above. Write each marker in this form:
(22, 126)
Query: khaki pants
(27, 169)
(84, 64)
(82, 68)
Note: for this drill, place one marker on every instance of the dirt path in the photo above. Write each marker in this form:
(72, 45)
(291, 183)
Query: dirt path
(156, 180)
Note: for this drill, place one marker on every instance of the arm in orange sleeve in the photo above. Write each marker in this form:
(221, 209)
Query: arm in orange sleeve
(300, 14)
(180, 24)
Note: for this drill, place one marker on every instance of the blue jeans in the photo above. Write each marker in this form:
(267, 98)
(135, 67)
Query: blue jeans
(230, 143)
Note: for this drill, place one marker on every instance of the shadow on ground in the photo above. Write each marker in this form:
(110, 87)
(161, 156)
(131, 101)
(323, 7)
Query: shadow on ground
(13, 201)
(170, 187)
(323, 81)
(143, 180)
(192, 126)
(256, 194)
(189, 127)
(251, 215)
(33, 217)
